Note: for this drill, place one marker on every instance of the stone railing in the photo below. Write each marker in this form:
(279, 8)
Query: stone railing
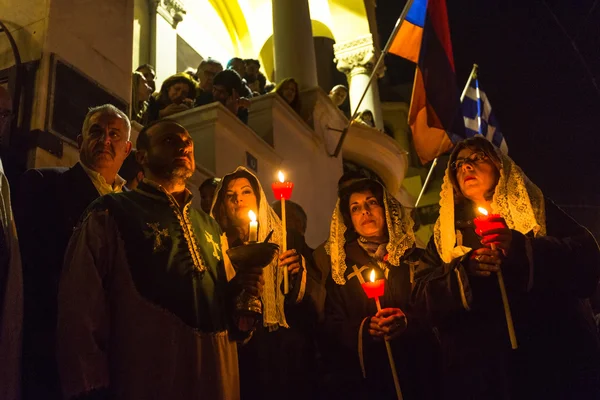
(380, 153)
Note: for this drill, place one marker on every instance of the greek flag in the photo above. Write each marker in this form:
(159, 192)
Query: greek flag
(479, 118)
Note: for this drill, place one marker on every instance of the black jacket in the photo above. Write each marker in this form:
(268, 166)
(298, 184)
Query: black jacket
(48, 206)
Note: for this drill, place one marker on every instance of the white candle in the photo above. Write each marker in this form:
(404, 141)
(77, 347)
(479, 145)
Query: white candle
(253, 232)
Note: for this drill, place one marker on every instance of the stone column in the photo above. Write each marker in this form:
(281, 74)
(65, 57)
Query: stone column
(293, 46)
(357, 59)
(165, 15)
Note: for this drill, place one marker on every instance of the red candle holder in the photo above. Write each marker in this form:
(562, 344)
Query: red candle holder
(282, 190)
(483, 223)
(374, 289)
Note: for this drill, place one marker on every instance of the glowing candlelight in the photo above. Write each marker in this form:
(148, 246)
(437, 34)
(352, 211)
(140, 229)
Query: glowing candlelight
(374, 289)
(253, 232)
(282, 190)
(483, 223)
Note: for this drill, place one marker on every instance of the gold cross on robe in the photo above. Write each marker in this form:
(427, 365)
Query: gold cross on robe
(158, 234)
(358, 273)
(215, 246)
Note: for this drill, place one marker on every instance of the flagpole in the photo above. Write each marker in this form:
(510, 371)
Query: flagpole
(472, 75)
(401, 19)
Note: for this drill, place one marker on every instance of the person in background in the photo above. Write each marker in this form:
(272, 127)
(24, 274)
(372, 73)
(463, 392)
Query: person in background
(140, 95)
(338, 95)
(11, 279)
(288, 90)
(207, 193)
(252, 68)
(227, 86)
(207, 70)
(176, 95)
(48, 206)
(132, 171)
(193, 74)
(257, 86)
(149, 73)
(295, 216)
(237, 64)
(366, 117)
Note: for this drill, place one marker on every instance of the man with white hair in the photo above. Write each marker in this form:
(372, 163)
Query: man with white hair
(50, 203)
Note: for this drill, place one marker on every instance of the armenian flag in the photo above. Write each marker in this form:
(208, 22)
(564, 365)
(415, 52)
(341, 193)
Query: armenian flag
(435, 116)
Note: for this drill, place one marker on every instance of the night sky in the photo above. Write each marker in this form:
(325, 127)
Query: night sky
(542, 95)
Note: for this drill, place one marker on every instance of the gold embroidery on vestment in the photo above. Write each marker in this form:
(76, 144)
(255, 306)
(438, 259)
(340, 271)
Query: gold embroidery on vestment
(158, 234)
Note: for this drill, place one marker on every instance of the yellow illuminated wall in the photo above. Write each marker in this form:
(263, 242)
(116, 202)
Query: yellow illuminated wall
(244, 28)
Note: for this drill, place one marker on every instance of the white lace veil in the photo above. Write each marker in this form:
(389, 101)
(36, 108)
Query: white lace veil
(518, 200)
(272, 297)
(400, 230)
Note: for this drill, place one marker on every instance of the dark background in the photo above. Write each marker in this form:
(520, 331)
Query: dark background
(541, 89)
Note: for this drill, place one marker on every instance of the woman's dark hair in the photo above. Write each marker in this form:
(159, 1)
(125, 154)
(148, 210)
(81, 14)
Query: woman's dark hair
(349, 187)
(295, 104)
(163, 95)
(219, 209)
(476, 143)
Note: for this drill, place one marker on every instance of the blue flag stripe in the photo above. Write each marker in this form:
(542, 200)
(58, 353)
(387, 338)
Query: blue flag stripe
(474, 107)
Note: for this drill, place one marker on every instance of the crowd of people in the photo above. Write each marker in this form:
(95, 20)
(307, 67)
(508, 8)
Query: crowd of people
(233, 87)
(130, 292)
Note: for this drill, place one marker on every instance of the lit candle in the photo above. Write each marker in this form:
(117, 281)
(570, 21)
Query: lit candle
(483, 224)
(253, 231)
(283, 190)
(374, 290)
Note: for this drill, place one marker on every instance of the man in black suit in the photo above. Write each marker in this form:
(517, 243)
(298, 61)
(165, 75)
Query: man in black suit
(49, 205)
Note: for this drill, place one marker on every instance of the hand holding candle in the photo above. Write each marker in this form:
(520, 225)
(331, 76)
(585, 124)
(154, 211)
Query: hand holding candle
(484, 224)
(374, 290)
(283, 190)
(493, 229)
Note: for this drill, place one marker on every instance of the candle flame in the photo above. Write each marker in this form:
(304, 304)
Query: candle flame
(372, 277)
(281, 177)
(482, 210)
(252, 216)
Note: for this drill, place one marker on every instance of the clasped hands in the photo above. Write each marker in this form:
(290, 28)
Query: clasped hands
(484, 261)
(388, 323)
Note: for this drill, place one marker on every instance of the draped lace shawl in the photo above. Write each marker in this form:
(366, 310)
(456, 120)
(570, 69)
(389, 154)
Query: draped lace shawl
(518, 200)
(400, 230)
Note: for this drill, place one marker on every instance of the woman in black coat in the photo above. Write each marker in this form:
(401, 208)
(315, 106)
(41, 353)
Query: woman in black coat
(550, 266)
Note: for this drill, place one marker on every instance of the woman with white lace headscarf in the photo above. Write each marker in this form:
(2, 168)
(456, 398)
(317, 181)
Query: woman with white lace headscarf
(372, 233)
(550, 265)
(278, 361)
